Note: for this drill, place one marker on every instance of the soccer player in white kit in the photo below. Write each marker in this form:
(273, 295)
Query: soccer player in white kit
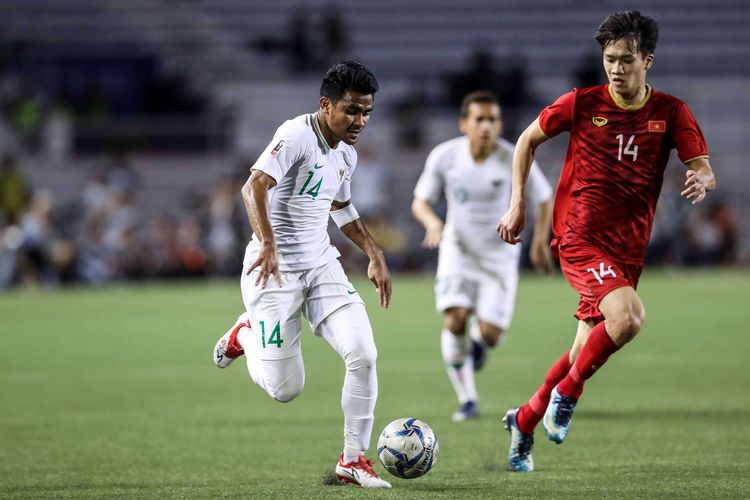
(291, 268)
(477, 272)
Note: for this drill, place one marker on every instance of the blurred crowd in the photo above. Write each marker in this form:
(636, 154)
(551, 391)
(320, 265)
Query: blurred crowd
(104, 235)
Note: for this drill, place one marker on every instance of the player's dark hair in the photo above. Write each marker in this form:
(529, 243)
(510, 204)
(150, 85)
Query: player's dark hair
(481, 96)
(347, 75)
(640, 32)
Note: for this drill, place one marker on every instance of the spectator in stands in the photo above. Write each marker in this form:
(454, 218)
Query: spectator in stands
(335, 36)
(222, 243)
(161, 249)
(121, 175)
(95, 265)
(11, 240)
(588, 72)
(510, 83)
(390, 238)
(193, 256)
(725, 217)
(27, 115)
(14, 190)
(302, 50)
(96, 195)
(712, 238)
(36, 227)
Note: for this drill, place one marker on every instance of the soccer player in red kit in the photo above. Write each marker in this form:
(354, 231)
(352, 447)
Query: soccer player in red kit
(621, 135)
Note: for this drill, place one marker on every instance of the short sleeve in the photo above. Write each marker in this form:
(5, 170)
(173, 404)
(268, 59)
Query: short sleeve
(538, 189)
(431, 183)
(558, 116)
(345, 191)
(687, 136)
(288, 146)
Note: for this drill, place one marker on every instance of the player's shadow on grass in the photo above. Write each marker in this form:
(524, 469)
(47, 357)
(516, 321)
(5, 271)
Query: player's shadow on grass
(664, 413)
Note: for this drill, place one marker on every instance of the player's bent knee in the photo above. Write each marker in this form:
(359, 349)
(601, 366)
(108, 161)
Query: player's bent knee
(287, 391)
(364, 356)
(625, 326)
(455, 320)
(492, 335)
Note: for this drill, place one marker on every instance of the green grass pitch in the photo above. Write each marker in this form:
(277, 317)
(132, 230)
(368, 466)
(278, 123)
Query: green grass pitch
(108, 393)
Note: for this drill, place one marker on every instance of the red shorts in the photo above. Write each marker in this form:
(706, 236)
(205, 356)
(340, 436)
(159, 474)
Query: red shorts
(593, 274)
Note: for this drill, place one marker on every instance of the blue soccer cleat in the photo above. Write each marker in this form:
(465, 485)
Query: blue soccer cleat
(557, 417)
(478, 354)
(519, 455)
(467, 411)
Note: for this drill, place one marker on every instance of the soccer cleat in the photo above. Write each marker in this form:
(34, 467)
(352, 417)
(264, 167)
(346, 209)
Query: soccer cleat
(227, 348)
(359, 472)
(557, 417)
(519, 454)
(478, 354)
(466, 411)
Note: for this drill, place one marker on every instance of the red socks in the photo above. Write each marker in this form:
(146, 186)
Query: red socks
(532, 412)
(594, 354)
(569, 380)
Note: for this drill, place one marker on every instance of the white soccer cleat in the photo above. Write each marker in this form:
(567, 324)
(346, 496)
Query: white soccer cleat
(359, 472)
(227, 348)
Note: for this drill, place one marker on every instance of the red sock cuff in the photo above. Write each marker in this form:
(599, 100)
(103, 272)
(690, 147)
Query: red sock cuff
(599, 346)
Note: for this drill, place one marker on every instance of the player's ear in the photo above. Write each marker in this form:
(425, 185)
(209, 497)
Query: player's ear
(649, 61)
(325, 104)
(462, 124)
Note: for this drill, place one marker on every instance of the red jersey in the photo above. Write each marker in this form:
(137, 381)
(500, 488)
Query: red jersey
(614, 167)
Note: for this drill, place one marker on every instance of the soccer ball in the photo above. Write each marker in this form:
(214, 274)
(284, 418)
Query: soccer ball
(408, 448)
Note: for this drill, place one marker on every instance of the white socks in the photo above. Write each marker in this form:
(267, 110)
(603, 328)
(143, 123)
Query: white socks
(475, 333)
(348, 331)
(459, 365)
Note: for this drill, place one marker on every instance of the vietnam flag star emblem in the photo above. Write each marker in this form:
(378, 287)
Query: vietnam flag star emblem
(657, 126)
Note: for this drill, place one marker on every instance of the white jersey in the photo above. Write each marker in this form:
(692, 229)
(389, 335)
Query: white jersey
(477, 196)
(309, 176)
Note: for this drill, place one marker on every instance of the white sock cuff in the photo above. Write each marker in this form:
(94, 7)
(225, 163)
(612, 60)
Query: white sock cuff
(453, 347)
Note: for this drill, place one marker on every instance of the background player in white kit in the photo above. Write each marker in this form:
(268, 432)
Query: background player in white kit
(290, 266)
(477, 272)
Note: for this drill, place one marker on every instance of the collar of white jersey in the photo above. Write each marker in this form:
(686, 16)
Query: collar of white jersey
(316, 127)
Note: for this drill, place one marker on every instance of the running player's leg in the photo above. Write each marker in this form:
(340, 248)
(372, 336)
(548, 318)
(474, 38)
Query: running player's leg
(531, 413)
(348, 331)
(282, 379)
(272, 343)
(624, 315)
(494, 311)
(521, 422)
(489, 334)
(609, 300)
(337, 313)
(458, 363)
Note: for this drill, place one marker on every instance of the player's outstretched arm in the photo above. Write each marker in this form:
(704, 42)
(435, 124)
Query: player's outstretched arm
(700, 179)
(539, 252)
(355, 230)
(255, 197)
(423, 212)
(512, 222)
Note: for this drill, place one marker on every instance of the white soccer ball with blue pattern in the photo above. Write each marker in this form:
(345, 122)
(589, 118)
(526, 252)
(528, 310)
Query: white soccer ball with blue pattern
(408, 448)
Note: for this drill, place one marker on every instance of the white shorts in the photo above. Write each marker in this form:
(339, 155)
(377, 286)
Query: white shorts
(275, 312)
(488, 289)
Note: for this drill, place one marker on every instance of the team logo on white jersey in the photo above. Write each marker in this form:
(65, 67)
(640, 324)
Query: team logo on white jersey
(277, 148)
(601, 273)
